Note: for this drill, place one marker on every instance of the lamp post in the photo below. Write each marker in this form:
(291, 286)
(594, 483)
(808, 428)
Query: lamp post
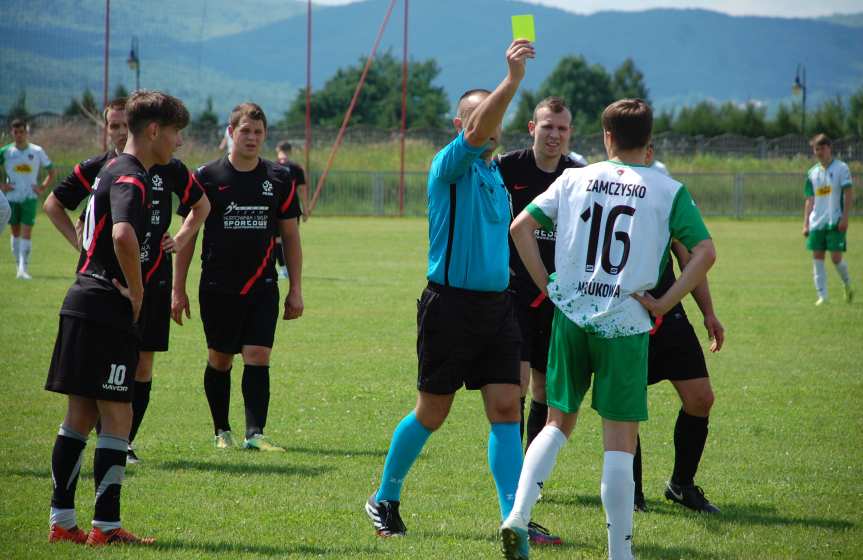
(798, 88)
(134, 62)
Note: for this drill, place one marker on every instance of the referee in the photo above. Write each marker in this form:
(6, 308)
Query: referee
(466, 329)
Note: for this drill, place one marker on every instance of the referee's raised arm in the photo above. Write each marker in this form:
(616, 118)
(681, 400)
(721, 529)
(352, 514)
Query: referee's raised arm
(484, 122)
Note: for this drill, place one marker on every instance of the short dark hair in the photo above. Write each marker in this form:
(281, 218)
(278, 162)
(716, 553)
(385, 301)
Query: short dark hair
(284, 146)
(146, 106)
(821, 140)
(554, 103)
(117, 104)
(469, 93)
(630, 122)
(247, 109)
(18, 123)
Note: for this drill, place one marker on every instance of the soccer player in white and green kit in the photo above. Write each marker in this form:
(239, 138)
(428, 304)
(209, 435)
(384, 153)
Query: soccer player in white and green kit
(825, 215)
(21, 162)
(615, 221)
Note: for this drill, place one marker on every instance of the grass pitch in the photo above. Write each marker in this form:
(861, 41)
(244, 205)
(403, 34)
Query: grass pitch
(783, 460)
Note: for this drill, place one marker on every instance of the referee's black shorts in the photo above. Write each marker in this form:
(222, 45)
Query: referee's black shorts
(155, 320)
(466, 338)
(232, 321)
(93, 360)
(675, 353)
(534, 312)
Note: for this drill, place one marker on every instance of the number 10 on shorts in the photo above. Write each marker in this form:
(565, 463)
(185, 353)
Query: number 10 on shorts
(117, 375)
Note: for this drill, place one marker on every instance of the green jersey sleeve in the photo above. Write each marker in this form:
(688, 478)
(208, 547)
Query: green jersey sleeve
(685, 222)
(807, 188)
(538, 215)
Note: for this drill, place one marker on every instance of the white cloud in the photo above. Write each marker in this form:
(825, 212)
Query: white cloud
(778, 8)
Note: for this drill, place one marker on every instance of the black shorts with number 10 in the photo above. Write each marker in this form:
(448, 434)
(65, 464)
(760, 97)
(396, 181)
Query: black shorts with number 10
(466, 338)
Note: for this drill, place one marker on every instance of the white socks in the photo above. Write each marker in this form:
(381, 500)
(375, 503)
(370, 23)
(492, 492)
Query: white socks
(618, 494)
(842, 269)
(538, 464)
(820, 278)
(16, 248)
(24, 254)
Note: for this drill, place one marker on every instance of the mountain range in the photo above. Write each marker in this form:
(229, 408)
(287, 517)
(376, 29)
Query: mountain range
(232, 51)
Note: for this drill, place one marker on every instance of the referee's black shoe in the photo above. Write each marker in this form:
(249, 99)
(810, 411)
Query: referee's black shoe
(690, 496)
(385, 517)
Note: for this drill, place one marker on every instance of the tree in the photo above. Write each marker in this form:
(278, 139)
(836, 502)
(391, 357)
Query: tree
(702, 119)
(786, 121)
(586, 88)
(86, 107)
(855, 114)
(120, 91)
(830, 119)
(749, 120)
(628, 82)
(207, 120)
(663, 122)
(18, 110)
(379, 103)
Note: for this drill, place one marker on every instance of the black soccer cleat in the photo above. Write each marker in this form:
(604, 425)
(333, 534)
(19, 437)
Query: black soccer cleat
(131, 456)
(691, 497)
(385, 517)
(640, 503)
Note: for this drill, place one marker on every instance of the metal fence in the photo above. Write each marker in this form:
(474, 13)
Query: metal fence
(737, 195)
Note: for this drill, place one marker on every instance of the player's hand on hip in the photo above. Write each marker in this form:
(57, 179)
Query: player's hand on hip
(179, 304)
(651, 304)
(715, 331)
(168, 244)
(842, 225)
(136, 300)
(293, 306)
(6, 187)
(516, 58)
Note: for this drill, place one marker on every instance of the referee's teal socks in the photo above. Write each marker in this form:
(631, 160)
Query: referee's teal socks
(408, 440)
(505, 459)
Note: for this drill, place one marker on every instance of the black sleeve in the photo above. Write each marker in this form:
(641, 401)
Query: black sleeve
(289, 200)
(297, 174)
(197, 181)
(186, 186)
(128, 199)
(79, 184)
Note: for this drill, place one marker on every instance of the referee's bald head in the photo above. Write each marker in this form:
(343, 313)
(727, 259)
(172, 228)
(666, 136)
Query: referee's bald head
(469, 101)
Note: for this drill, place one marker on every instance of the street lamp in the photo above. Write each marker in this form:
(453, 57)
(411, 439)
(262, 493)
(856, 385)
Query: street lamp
(134, 62)
(798, 88)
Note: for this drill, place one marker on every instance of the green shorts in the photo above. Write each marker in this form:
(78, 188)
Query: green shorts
(830, 239)
(618, 367)
(23, 212)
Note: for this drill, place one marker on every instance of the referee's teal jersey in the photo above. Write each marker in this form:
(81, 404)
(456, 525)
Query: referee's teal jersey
(469, 213)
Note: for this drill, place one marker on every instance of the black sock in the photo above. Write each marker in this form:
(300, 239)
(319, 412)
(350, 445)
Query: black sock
(256, 396)
(109, 469)
(521, 421)
(536, 420)
(690, 435)
(140, 400)
(217, 385)
(66, 466)
(636, 468)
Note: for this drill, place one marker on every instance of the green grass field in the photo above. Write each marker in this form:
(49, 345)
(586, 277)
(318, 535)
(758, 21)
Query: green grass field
(783, 460)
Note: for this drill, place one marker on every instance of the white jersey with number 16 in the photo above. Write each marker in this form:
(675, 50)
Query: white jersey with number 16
(614, 226)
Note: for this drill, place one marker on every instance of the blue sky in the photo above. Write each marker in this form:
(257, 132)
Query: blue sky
(779, 8)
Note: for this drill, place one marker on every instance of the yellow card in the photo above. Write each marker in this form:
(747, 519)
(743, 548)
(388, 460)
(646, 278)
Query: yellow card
(522, 28)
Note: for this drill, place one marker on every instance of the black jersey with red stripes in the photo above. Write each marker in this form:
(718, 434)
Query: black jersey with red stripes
(120, 194)
(173, 178)
(79, 184)
(525, 181)
(239, 243)
(297, 172)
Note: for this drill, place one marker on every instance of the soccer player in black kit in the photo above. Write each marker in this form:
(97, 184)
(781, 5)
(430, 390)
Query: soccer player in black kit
(97, 345)
(527, 173)
(155, 245)
(253, 200)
